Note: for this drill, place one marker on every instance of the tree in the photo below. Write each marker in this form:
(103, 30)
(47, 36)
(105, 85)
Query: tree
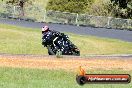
(124, 9)
(121, 3)
(20, 3)
(98, 8)
(73, 6)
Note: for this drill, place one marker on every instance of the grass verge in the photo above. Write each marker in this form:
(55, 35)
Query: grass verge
(40, 78)
(20, 40)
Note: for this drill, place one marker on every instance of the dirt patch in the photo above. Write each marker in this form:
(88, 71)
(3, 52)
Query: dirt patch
(67, 63)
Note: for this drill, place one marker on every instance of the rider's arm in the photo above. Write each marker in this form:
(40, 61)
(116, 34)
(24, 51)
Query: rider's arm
(43, 41)
(47, 38)
(59, 34)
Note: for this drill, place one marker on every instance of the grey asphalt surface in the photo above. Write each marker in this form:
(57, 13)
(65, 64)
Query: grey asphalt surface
(124, 35)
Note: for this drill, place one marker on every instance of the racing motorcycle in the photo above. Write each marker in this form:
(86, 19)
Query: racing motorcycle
(60, 44)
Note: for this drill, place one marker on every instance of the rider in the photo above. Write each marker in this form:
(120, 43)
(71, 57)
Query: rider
(54, 37)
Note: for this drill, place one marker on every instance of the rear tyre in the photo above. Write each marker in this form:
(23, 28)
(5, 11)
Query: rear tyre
(76, 53)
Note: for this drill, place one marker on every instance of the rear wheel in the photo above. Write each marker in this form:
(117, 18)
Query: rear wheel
(76, 53)
(75, 50)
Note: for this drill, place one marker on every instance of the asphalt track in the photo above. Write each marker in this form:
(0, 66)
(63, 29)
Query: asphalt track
(124, 35)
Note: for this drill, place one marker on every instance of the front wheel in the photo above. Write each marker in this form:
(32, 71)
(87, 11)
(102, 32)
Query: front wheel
(50, 51)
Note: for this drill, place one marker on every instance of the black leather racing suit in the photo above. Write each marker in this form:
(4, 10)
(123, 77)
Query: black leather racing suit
(53, 37)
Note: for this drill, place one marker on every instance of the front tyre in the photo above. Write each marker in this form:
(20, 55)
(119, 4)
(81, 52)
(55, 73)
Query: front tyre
(50, 52)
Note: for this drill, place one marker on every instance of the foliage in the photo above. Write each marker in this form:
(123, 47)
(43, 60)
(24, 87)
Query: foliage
(121, 3)
(116, 8)
(122, 8)
(13, 2)
(99, 8)
(74, 6)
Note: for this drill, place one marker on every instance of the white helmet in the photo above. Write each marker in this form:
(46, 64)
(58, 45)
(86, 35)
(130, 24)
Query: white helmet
(45, 28)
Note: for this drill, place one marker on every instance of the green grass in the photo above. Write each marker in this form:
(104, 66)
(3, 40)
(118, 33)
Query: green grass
(20, 40)
(40, 78)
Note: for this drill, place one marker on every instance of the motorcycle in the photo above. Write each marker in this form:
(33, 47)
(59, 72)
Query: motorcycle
(60, 44)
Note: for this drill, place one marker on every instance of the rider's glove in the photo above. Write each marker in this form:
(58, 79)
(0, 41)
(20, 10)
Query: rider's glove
(45, 45)
(61, 34)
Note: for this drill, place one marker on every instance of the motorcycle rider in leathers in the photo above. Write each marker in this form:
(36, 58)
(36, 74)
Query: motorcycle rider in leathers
(54, 37)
